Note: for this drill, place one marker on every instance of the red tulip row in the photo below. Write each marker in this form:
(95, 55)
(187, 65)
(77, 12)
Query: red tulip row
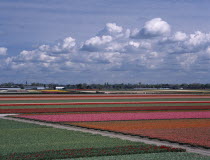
(193, 131)
(198, 136)
(102, 109)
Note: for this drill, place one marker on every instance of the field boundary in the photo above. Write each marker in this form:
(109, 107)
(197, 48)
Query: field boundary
(134, 138)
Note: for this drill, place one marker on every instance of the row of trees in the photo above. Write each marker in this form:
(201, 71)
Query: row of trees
(112, 86)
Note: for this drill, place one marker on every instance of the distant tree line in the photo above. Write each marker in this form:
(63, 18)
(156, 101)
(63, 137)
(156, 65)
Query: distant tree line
(108, 86)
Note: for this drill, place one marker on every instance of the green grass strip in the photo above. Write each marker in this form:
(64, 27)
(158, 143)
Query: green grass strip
(151, 156)
(24, 137)
(91, 152)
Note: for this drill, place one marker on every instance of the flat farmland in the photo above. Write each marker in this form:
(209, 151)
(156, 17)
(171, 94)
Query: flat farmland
(18, 137)
(191, 131)
(78, 103)
(99, 97)
(175, 118)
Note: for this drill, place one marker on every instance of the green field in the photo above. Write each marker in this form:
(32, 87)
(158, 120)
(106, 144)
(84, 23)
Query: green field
(23, 137)
(151, 156)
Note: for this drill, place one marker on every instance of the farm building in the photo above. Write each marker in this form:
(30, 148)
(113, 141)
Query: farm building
(59, 88)
(34, 87)
(10, 88)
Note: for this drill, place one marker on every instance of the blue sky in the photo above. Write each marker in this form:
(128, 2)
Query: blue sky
(98, 41)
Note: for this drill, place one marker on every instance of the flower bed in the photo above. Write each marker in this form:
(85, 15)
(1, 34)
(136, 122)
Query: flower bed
(198, 136)
(192, 131)
(142, 124)
(104, 95)
(102, 109)
(117, 116)
(91, 152)
(96, 103)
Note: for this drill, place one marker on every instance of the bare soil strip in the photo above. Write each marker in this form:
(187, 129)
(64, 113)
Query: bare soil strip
(118, 135)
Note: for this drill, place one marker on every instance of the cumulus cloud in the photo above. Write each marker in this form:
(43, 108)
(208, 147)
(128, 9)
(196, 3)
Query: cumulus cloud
(3, 51)
(96, 43)
(67, 45)
(108, 39)
(153, 28)
(186, 60)
(111, 29)
(208, 50)
(114, 48)
(45, 57)
(179, 36)
(198, 38)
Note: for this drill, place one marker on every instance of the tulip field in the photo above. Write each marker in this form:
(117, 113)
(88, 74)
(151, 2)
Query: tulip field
(176, 118)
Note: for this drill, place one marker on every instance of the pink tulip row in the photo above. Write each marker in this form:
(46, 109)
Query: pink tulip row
(117, 116)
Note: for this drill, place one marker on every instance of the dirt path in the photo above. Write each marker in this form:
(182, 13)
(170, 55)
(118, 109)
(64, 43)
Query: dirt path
(4, 115)
(118, 135)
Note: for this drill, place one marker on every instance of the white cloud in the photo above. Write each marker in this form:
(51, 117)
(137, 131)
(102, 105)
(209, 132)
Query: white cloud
(197, 38)
(45, 57)
(67, 45)
(208, 50)
(96, 43)
(153, 28)
(180, 36)
(112, 49)
(3, 51)
(111, 29)
(44, 48)
(134, 44)
(104, 57)
(115, 47)
(187, 60)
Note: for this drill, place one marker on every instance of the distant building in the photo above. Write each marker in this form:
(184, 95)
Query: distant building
(164, 88)
(10, 88)
(34, 87)
(59, 88)
(144, 88)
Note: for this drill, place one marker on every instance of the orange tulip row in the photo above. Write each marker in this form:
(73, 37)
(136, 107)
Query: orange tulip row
(193, 131)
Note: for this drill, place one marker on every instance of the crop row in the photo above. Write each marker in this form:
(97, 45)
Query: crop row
(117, 116)
(142, 124)
(26, 137)
(102, 95)
(102, 109)
(192, 131)
(195, 136)
(96, 103)
(103, 98)
(91, 152)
